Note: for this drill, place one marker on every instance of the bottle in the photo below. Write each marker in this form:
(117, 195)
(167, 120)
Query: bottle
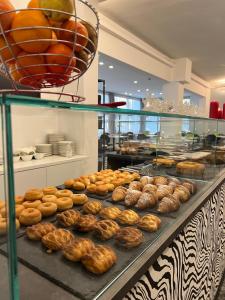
(214, 107)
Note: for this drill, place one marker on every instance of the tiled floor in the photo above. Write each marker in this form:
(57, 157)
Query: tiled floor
(221, 295)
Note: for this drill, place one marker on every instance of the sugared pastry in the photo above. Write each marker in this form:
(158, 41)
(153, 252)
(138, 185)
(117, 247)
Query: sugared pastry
(63, 193)
(49, 198)
(31, 204)
(57, 239)
(77, 249)
(168, 204)
(33, 194)
(79, 186)
(68, 218)
(91, 188)
(30, 216)
(47, 209)
(111, 212)
(190, 168)
(102, 190)
(129, 237)
(64, 203)
(110, 187)
(136, 185)
(160, 180)
(36, 232)
(146, 180)
(149, 223)
(182, 193)
(79, 199)
(162, 191)
(18, 200)
(191, 186)
(128, 217)
(3, 226)
(132, 197)
(99, 260)
(149, 188)
(119, 194)
(69, 183)
(18, 209)
(147, 200)
(106, 229)
(86, 223)
(167, 162)
(50, 190)
(92, 207)
(2, 204)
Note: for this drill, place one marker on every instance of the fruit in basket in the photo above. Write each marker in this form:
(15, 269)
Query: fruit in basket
(6, 19)
(5, 53)
(78, 33)
(54, 38)
(31, 39)
(92, 34)
(82, 60)
(62, 5)
(33, 4)
(20, 79)
(59, 59)
(57, 79)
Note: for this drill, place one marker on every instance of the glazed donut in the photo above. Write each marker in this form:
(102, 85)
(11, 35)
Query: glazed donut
(49, 198)
(69, 183)
(2, 204)
(18, 209)
(33, 194)
(19, 199)
(64, 203)
(3, 226)
(31, 204)
(50, 190)
(30, 216)
(47, 209)
(63, 193)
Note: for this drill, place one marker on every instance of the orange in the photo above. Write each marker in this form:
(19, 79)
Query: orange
(31, 65)
(76, 28)
(20, 79)
(5, 53)
(57, 79)
(6, 19)
(33, 4)
(59, 58)
(31, 39)
(15, 74)
(54, 38)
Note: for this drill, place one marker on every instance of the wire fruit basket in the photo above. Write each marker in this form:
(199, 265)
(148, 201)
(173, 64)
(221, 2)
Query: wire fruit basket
(46, 44)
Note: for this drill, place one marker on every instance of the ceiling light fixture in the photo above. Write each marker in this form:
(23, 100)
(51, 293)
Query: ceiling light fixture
(101, 63)
(130, 94)
(126, 93)
(161, 93)
(111, 67)
(153, 94)
(147, 90)
(138, 91)
(135, 82)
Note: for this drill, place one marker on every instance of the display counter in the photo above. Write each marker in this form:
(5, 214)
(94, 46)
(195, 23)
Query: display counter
(183, 257)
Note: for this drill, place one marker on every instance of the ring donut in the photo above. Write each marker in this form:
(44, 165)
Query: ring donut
(2, 204)
(18, 209)
(64, 193)
(50, 190)
(47, 209)
(3, 226)
(49, 198)
(64, 203)
(33, 194)
(31, 204)
(19, 199)
(30, 216)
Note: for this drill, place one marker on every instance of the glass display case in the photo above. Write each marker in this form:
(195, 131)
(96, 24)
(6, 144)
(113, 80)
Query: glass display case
(154, 164)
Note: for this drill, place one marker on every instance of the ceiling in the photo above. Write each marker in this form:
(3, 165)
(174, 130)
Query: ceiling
(178, 28)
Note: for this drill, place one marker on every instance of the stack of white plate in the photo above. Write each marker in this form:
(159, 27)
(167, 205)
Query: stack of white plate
(53, 139)
(66, 148)
(44, 148)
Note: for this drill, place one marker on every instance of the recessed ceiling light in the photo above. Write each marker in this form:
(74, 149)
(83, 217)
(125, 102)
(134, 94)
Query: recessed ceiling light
(153, 94)
(101, 63)
(111, 67)
(126, 93)
(160, 93)
(138, 91)
(135, 82)
(147, 90)
(130, 94)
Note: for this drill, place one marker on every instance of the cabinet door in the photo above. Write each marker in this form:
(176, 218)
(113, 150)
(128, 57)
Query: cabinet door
(57, 174)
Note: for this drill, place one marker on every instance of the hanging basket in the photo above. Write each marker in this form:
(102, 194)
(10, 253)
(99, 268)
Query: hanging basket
(44, 47)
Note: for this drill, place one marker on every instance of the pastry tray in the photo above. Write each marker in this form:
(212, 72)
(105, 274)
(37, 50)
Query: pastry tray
(209, 173)
(72, 276)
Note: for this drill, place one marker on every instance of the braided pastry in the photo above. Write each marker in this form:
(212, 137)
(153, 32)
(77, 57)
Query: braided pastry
(106, 229)
(136, 185)
(111, 212)
(86, 223)
(149, 223)
(129, 237)
(92, 207)
(119, 194)
(36, 232)
(128, 217)
(132, 197)
(147, 200)
(146, 180)
(57, 239)
(77, 249)
(160, 180)
(99, 260)
(169, 204)
(149, 188)
(68, 217)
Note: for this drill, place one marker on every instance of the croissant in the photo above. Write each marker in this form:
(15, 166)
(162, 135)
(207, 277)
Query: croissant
(136, 185)
(106, 229)
(149, 223)
(160, 180)
(77, 249)
(146, 180)
(147, 200)
(132, 197)
(182, 193)
(162, 191)
(99, 260)
(119, 194)
(129, 237)
(168, 204)
(36, 232)
(68, 217)
(111, 212)
(57, 239)
(149, 188)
